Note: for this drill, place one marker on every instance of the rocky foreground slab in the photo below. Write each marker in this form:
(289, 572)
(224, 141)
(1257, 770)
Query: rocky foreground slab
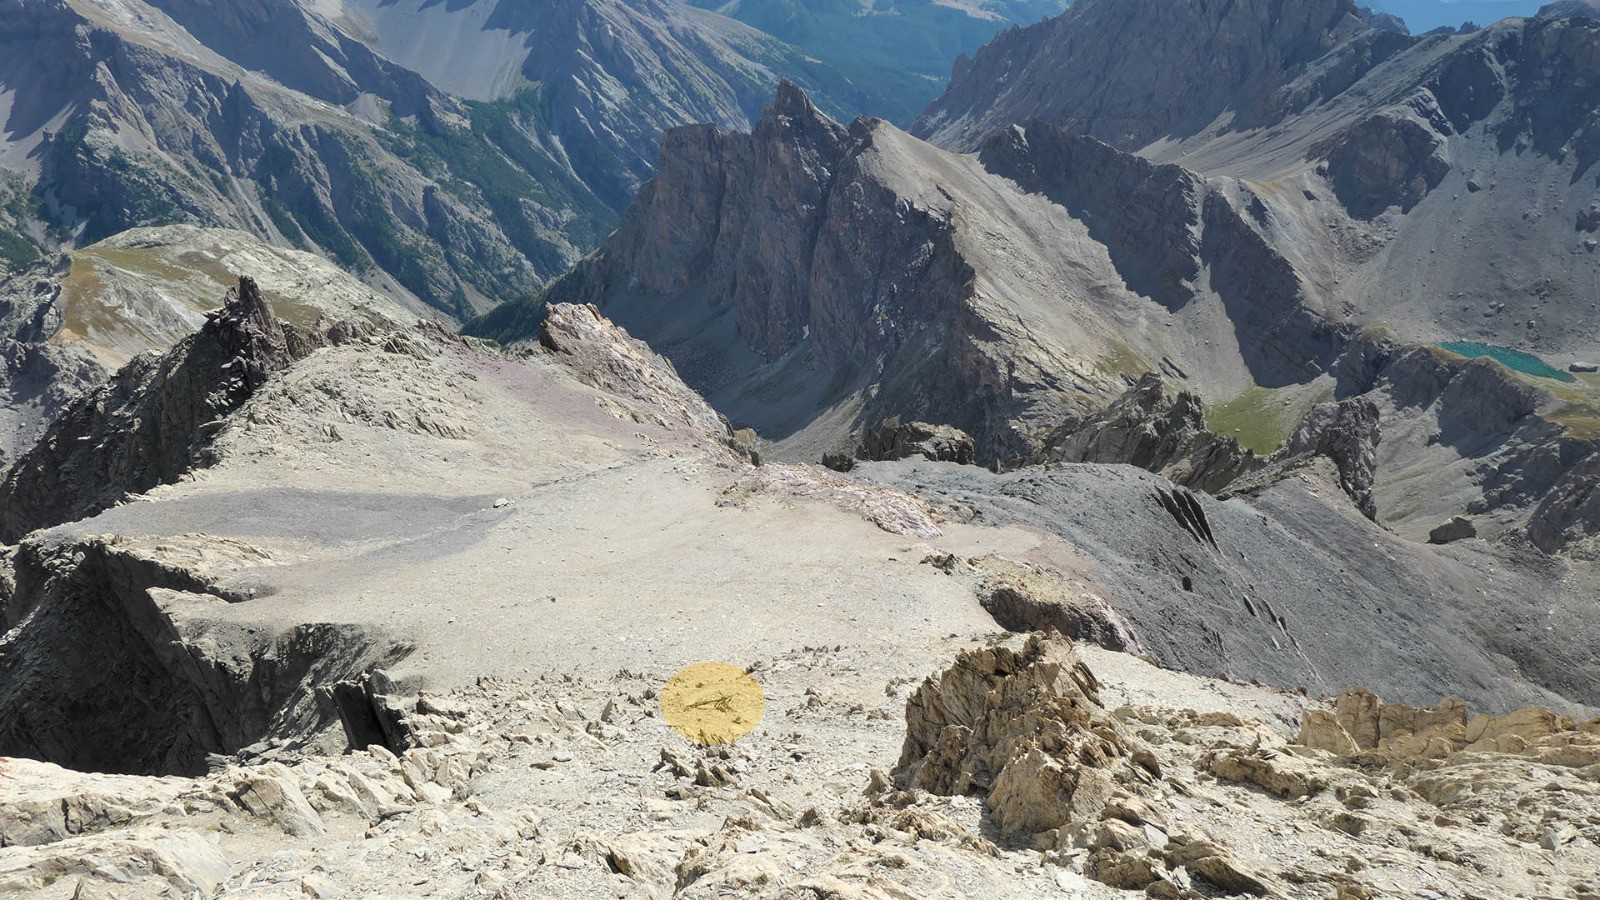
(1020, 772)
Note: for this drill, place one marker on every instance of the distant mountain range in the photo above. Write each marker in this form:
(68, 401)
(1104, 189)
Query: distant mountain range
(1272, 204)
(454, 154)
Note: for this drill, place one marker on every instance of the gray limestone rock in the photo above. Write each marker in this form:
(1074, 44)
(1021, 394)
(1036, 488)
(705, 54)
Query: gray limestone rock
(1459, 528)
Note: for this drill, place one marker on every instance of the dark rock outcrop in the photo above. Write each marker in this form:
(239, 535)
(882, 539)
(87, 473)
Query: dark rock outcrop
(149, 425)
(1385, 161)
(1346, 432)
(1158, 429)
(118, 644)
(895, 439)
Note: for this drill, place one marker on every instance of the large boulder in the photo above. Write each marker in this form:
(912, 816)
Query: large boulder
(1459, 528)
(1027, 729)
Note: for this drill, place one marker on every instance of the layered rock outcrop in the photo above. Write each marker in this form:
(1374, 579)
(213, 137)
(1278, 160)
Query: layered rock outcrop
(1026, 729)
(1361, 723)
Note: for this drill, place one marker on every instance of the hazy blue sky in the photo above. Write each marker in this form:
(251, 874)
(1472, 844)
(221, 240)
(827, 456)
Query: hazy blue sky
(1422, 15)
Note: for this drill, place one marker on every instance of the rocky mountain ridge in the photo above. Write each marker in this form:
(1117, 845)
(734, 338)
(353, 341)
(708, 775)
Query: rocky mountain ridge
(71, 321)
(936, 298)
(266, 608)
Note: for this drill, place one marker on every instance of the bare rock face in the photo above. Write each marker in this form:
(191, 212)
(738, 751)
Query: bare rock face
(1561, 8)
(115, 643)
(789, 262)
(1158, 429)
(1027, 729)
(38, 376)
(1459, 528)
(1569, 515)
(1144, 83)
(149, 424)
(1346, 432)
(1384, 161)
(895, 439)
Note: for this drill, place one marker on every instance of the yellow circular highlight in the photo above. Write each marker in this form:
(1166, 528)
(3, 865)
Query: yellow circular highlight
(713, 703)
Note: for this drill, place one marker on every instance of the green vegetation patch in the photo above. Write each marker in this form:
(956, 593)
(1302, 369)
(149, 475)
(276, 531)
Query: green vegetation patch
(1515, 360)
(16, 250)
(1579, 412)
(1260, 419)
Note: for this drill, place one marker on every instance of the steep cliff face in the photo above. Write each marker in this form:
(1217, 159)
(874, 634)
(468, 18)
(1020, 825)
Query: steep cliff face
(118, 644)
(814, 279)
(785, 271)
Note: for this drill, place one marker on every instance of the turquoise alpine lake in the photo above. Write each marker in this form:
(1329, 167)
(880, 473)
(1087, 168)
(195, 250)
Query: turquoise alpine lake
(1517, 360)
